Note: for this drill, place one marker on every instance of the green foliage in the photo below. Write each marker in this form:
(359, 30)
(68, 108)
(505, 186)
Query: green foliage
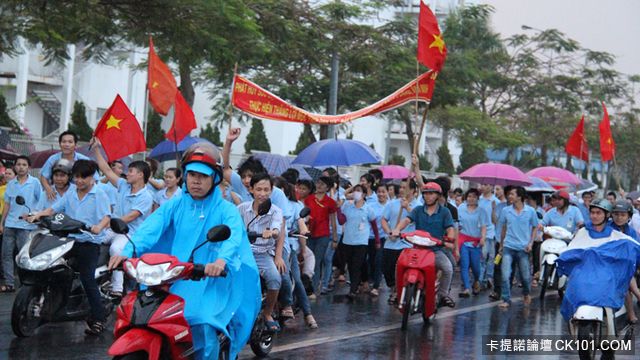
(473, 152)
(594, 178)
(155, 134)
(424, 163)
(445, 162)
(306, 138)
(397, 160)
(211, 133)
(79, 123)
(5, 119)
(257, 138)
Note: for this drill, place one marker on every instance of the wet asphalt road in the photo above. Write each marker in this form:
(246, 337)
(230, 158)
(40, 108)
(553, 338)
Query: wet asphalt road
(368, 328)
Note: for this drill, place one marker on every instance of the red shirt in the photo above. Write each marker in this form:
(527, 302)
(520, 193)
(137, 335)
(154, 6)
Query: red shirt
(320, 211)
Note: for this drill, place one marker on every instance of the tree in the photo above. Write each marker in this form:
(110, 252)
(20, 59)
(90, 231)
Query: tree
(397, 160)
(211, 133)
(424, 163)
(472, 153)
(5, 119)
(256, 138)
(445, 163)
(305, 139)
(155, 134)
(79, 123)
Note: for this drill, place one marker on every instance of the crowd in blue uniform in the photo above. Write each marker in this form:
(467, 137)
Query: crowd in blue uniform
(353, 232)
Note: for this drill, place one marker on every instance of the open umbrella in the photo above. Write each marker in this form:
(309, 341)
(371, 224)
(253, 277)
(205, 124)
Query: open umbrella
(337, 153)
(277, 164)
(38, 158)
(166, 150)
(539, 185)
(555, 176)
(496, 174)
(394, 172)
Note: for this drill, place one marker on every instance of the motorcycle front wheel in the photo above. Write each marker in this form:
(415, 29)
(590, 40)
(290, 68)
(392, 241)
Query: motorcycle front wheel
(407, 304)
(261, 341)
(587, 331)
(547, 270)
(24, 321)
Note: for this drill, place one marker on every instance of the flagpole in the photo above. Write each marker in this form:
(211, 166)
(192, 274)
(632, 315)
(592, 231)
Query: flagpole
(233, 84)
(145, 115)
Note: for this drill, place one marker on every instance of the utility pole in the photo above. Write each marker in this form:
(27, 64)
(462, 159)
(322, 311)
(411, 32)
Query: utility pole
(333, 92)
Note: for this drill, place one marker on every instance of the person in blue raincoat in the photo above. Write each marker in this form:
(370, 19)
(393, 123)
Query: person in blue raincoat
(217, 304)
(599, 262)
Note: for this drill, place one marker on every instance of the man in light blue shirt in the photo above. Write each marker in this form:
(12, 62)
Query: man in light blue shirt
(563, 214)
(67, 141)
(14, 229)
(488, 202)
(90, 205)
(519, 227)
(133, 205)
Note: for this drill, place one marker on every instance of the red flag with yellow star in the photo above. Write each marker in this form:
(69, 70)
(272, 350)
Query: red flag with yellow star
(183, 120)
(119, 131)
(607, 146)
(431, 48)
(577, 143)
(161, 83)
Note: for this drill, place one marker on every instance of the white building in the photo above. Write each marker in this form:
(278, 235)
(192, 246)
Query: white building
(41, 98)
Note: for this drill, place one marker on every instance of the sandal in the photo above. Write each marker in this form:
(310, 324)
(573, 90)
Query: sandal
(476, 288)
(287, 313)
(464, 294)
(95, 328)
(447, 301)
(272, 326)
(504, 305)
(7, 289)
(311, 322)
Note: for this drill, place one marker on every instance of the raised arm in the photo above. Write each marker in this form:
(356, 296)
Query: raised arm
(102, 163)
(232, 136)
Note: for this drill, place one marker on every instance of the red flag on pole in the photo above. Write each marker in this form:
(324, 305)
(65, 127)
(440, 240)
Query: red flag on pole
(432, 51)
(160, 82)
(183, 120)
(577, 143)
(607, 146)
(119, 131)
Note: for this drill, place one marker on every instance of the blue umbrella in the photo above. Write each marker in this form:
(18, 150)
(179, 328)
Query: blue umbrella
(337, 153)
(277, 164)
(166, 150)
(539, 185)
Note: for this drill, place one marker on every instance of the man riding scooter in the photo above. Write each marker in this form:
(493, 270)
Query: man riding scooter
(437, 220)
(223, 304)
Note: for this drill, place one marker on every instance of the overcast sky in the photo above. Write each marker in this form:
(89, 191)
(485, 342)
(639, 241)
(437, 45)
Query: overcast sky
(612, 26)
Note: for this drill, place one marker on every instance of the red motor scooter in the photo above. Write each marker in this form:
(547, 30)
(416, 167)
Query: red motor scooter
(151, 324)
(416, 277)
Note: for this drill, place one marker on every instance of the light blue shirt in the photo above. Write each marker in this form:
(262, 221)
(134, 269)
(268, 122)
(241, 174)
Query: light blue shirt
(584, 211)
(111, 191)
(272, 220)
(128, 202)
(471, 222)
(45, 203)
(378, 209)
(487, 206)
(153, 190)
(390, 213)
(161, 196)
(519, 226)
(90, 210)
(569, 220)
(291, 215)
(278, 198)
(32, 192)
(338, 196)
(357, 227)
(46, 168)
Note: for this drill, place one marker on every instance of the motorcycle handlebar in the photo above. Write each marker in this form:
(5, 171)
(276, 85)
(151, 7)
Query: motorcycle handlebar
(198, 272)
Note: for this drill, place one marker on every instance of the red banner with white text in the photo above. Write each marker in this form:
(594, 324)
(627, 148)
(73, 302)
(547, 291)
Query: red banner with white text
(260, 103)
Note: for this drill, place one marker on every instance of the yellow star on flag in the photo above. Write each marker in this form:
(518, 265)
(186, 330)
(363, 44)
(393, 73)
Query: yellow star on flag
(154, 85)
(437, 43)
(113, 122)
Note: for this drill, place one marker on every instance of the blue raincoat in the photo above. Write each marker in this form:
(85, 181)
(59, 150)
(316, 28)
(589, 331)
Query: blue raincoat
(229, 305)
(600, 266)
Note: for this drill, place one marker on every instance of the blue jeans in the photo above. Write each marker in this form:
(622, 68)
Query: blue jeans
(299, 292)
(469, 256)
(285, 296)
(522, 259)
(328, 269)
(488, 256)
(12, 238)
(319, 248)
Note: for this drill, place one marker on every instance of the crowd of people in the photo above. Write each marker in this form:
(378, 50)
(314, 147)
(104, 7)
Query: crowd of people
(353, 233)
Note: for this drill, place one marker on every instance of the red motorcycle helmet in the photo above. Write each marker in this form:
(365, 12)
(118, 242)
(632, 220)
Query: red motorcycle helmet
(431, 187)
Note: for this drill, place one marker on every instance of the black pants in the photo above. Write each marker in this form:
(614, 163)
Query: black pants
(389, 261)
(497, 274)
(536, 256)
(338, 258)
(354, 255)
(86, 257)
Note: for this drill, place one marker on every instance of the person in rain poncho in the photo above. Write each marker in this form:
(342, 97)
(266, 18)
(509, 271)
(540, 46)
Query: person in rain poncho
(216, 304)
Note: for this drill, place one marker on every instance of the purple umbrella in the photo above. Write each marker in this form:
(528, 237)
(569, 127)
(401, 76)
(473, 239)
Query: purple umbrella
(394, 172)
(496, 174)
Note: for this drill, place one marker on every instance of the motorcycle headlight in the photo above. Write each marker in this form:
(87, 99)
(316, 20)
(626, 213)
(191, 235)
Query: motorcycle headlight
(153, 275)
(45, 260)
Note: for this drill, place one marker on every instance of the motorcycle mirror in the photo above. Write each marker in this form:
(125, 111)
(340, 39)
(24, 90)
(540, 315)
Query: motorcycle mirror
(264, 208)
(119, 226)
(305, 212)
(20, 200)
(218, 233)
